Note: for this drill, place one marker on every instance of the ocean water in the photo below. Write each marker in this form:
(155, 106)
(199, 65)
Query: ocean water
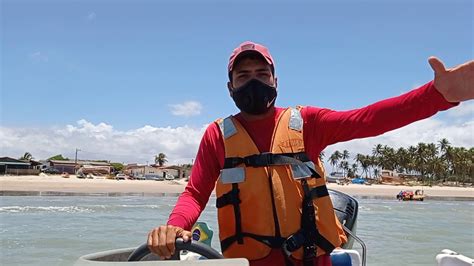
(56, 230)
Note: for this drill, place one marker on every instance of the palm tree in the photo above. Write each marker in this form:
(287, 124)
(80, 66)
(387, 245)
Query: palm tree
(449, 156)
(376, 173)
(334, 159)
(443, 145)
(354, 169)
(463, 164)
(160, 159)
(26, 157)
(345, 155)
(344, 165)
(372, 161)
(377, 158)
(421, 159)
(377, 150)
(364, 162)
(402, 159)
(432, 154)
(411, 165)
(439, 168)
(446, 152)
(387, 158)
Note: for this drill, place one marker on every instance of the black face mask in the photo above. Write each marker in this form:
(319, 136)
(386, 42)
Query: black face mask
(254, 97)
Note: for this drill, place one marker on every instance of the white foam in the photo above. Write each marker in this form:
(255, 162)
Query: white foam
(68, 209)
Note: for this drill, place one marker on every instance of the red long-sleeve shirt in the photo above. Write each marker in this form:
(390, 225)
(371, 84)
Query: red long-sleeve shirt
(322, 127)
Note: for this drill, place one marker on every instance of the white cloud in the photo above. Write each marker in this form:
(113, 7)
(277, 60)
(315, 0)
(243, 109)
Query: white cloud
(189, 108)
(180, 144)
(39, 57)
(465, 109)
(102, 141)
(431, 130)
(91, 16)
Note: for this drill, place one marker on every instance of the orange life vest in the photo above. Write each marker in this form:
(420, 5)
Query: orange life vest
(260, 196)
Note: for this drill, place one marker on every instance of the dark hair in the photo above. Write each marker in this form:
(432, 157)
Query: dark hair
(249, 55)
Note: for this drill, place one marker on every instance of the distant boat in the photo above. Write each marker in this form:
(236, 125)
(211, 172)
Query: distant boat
(407, 195)
(335, 177)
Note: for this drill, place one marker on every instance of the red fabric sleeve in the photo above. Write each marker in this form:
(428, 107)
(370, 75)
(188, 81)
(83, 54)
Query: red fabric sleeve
(324, 127)
(206, 168)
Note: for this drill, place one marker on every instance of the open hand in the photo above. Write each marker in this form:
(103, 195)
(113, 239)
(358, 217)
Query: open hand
(161, 240)
(455, 84)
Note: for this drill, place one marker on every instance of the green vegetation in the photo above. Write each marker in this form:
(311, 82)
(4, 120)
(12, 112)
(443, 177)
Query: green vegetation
(58, 157)
(434, 163)
(117, 166)
(26, 157)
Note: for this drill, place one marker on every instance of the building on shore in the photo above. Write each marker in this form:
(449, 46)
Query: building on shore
(86, 167)
(11, 166)
(155, 171)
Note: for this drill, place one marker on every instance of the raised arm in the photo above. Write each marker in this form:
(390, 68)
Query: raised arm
(324, 127)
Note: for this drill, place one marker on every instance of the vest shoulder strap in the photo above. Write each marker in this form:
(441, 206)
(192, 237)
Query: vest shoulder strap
(227, 127)
(296, 121)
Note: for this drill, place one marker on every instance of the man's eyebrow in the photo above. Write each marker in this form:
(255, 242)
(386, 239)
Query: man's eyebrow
(242, 71)
(263, 69)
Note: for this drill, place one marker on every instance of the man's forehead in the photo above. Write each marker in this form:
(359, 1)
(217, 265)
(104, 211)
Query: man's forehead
(251, 62)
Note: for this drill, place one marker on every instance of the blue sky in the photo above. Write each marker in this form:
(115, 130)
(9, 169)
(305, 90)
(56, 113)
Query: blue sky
(125, 67)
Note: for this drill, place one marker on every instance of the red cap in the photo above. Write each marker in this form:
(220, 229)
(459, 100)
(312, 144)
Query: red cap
(252, 47)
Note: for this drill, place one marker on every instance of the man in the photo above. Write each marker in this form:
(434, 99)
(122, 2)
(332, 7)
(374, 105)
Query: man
(273, 206)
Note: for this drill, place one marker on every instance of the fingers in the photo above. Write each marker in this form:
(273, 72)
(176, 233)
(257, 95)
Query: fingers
(436, 65)
(187, 235)
(161, 240)
(170, 240)
(153, 241)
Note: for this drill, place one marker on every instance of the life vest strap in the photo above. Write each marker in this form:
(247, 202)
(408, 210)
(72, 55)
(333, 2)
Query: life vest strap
(299, 159)
(271, 241)
(266, 159)
(308, 225)
(308, 236)
(319, 192)
(231, 197)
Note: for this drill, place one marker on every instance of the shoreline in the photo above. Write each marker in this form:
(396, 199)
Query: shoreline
(13, 193)
(56, 185)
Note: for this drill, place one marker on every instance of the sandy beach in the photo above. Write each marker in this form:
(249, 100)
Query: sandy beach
(57, 185)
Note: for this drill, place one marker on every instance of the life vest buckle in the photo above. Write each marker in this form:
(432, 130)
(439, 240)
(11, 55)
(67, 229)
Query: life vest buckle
(292, 243)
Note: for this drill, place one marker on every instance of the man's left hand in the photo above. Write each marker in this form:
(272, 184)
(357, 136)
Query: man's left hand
(455, 84)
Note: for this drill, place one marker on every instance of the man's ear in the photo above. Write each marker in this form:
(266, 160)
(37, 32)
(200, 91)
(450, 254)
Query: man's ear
(276, 82)
(229, 87)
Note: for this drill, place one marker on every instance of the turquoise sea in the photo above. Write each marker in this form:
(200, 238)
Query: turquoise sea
(56, 230)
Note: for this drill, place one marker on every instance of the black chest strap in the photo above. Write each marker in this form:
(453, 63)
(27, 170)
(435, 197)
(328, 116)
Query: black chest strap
(308, 236)
(299, 159)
